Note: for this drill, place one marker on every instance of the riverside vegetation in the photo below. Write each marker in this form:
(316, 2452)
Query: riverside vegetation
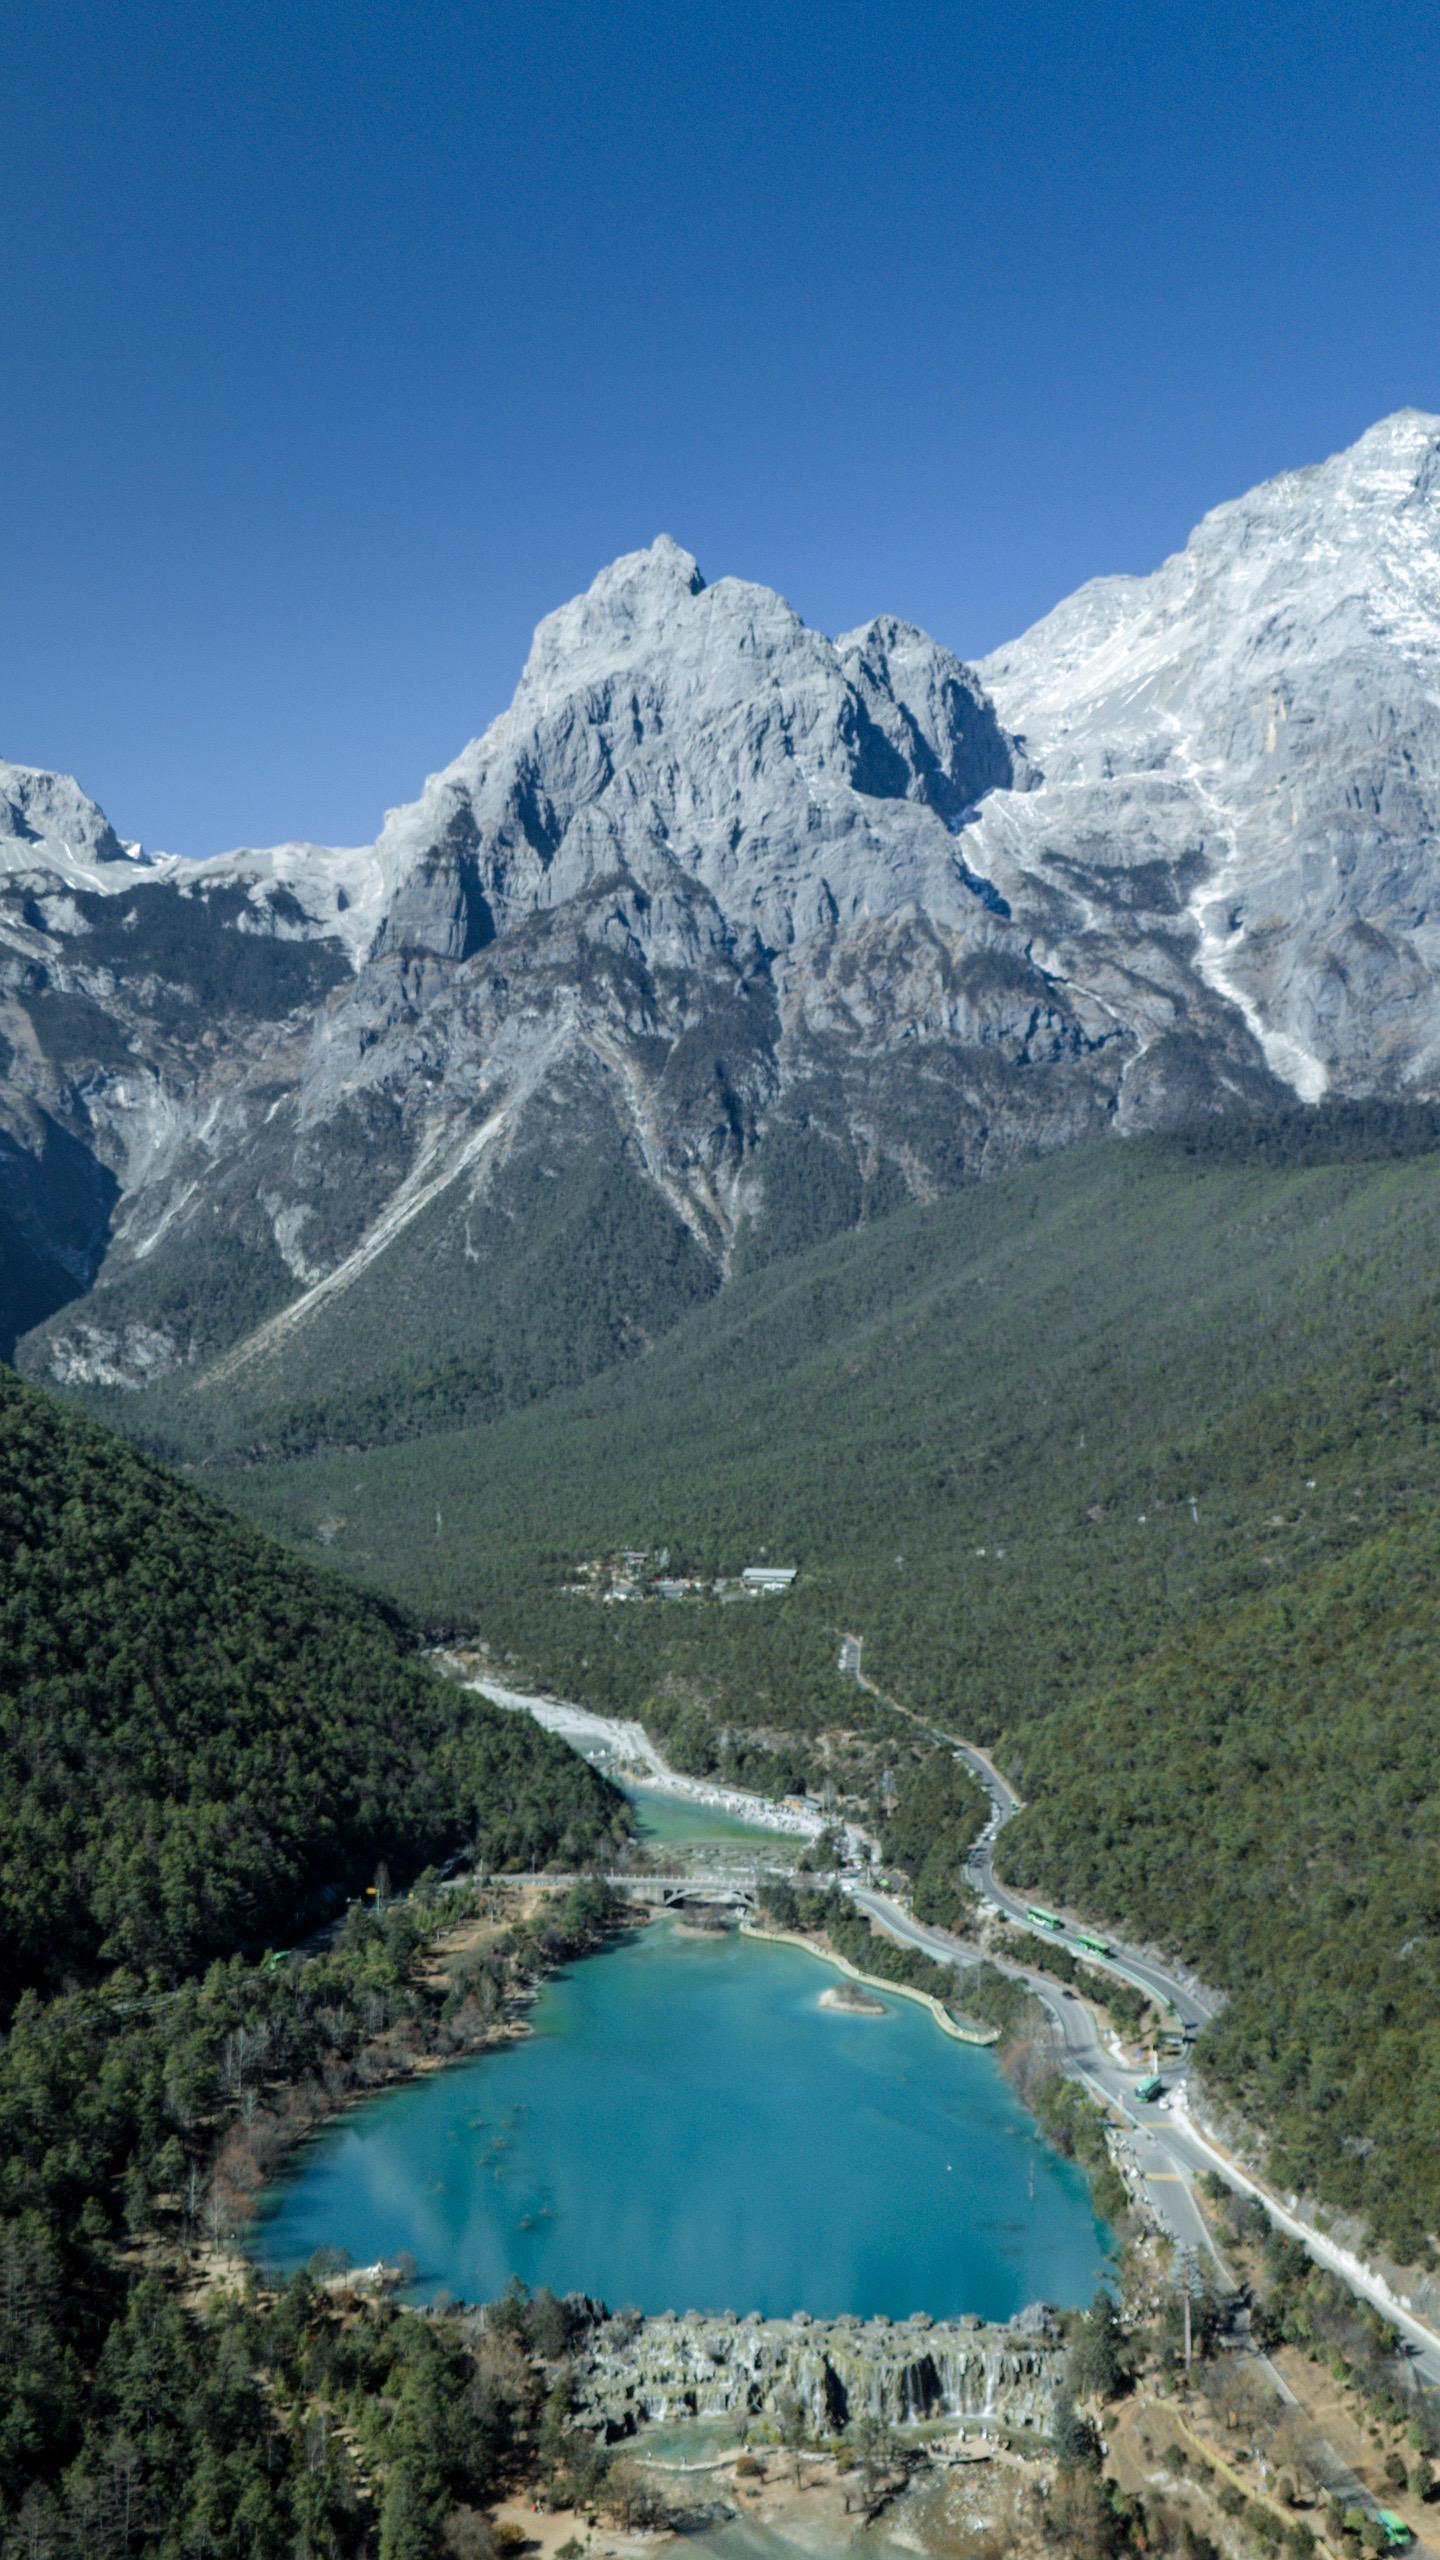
(1140, 1442)
(141, 2103)
(136, 2129)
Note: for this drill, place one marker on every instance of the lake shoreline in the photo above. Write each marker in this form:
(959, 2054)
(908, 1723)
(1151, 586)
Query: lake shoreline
(398, 2071)
(576, 2164)
(981, 2037)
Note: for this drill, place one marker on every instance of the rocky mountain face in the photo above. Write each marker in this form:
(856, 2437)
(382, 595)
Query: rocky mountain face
(724, 935)
(1249, 742)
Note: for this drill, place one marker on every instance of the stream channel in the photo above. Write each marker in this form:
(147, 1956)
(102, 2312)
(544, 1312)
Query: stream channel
(688, 2128)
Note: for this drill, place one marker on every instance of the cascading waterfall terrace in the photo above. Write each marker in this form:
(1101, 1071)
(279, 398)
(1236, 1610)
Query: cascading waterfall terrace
(635, 2373)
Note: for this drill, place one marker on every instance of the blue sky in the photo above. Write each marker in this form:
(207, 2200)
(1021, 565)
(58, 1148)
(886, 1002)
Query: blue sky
(346, 337)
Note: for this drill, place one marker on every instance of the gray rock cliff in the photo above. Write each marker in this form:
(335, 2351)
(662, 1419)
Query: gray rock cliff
(723, 935)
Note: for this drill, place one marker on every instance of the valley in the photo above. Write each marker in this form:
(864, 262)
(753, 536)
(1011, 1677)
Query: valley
(1187, 1498)
(254, 2041)
(943, 1162)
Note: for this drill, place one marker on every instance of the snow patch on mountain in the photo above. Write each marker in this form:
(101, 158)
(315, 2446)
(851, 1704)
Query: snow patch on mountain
(777, 926)
(1266, 709)
(50, 827)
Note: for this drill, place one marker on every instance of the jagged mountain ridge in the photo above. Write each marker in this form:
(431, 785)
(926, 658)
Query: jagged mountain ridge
(1267, 701)
(723, 934)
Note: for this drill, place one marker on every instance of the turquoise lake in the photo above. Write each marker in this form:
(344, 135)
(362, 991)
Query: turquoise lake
(687, 2129)
(667, 1821)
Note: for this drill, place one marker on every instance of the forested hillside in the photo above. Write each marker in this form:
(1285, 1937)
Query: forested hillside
(204, 1740)
(1011, 1438)
(202, 1736)
(1051, 1448)
(1265, 1794)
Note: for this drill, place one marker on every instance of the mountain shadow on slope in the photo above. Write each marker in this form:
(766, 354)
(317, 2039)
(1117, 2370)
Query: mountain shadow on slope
(56, 1205)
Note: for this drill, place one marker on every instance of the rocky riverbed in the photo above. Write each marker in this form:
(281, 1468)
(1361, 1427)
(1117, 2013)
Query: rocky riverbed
(623, 1749)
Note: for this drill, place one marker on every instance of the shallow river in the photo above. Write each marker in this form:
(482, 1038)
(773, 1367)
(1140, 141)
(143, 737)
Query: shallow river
(687, 2129)
(667, 1821)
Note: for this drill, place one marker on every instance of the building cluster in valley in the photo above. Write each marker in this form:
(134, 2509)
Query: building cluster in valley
(644, 1573)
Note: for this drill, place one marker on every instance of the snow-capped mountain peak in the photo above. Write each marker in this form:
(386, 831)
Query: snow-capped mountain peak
(49, 826)
(1259, 719)
(737, 929)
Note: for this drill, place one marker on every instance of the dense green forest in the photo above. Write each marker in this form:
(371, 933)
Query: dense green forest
(135, 2132)
(1048, 1446)
(1266, 1794)
(202, 1737)
(937, 1810)
(953, 1422)
(1127, 1463)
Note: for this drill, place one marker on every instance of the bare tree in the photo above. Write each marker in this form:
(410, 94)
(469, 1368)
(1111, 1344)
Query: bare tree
(794, 2427)
(874, 2442)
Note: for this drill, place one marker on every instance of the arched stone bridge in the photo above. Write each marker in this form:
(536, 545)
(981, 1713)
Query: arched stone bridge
(728, 1888)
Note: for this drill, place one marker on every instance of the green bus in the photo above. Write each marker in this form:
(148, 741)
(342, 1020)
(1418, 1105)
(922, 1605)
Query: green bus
(1150, 2088)
(1398, 2536)
(1093, 1946)
(1044, 1919)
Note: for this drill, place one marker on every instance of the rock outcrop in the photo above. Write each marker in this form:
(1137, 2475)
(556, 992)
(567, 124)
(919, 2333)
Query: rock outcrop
(1244, 749)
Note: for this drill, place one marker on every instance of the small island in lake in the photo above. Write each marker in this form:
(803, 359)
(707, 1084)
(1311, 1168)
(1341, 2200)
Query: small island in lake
(853, 1999)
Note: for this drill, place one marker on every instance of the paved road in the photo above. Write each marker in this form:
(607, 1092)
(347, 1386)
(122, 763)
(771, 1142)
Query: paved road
(1161, 2149)
(1192, 2007)
(1164, 2151)
(1185, 2148)
(1169, 2150)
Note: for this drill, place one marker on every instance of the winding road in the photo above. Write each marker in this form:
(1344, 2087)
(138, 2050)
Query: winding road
(1165, 2147)
(1157, 2144)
